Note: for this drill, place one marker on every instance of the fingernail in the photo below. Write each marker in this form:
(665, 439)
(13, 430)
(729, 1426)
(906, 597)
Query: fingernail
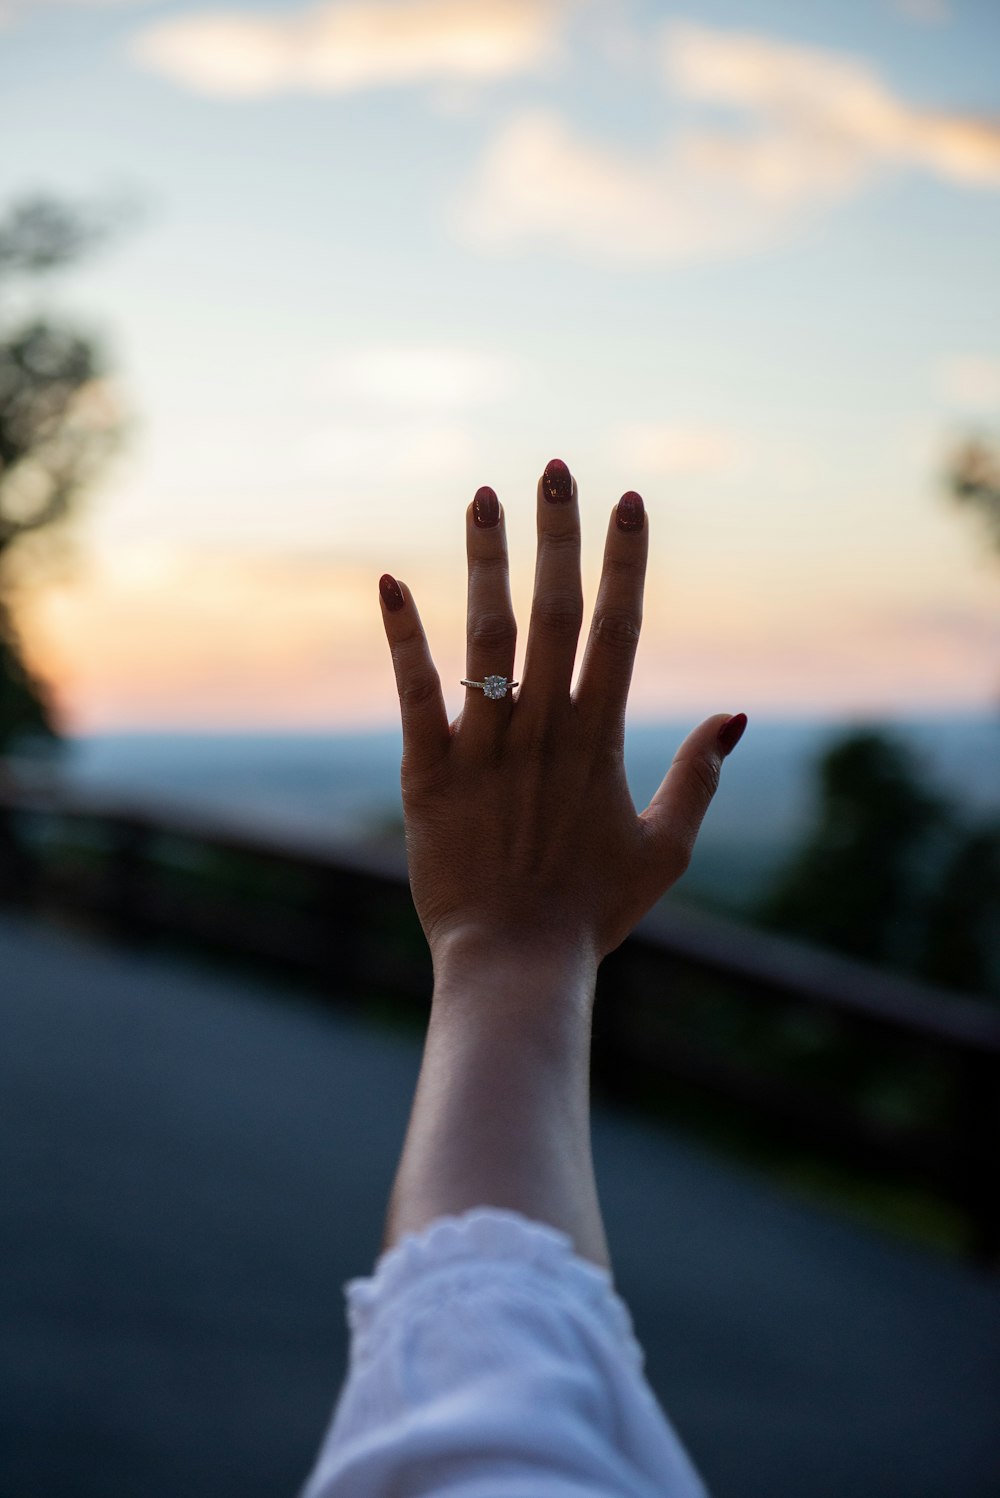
(392, 593)
(631, 512)
(486, 508)
(557, 482)
(730, 734)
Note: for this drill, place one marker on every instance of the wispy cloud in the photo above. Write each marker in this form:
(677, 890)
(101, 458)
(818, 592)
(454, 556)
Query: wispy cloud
(923, 12)
(657, 449)
(417, 377)
(972, 382)
(312, 652)
(16, 10)
(944, 625)
(539, 182)
(363, 456)
(790, 130)
(818, 104)
(696, 196)
(343, 45)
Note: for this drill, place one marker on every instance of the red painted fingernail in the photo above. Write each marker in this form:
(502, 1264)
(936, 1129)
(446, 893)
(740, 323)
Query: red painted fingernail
(730, 734)
(392, 593)
(557, 482)
(486, 508)
(631, 512)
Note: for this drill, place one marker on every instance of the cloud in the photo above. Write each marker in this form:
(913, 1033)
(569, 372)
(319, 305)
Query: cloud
(923, 12)
(259, 639)
(972, 382)
(943, 624)
(397, 413)
(773, 133)
(813, 100)
(341, 45)
(540, 182)
(695, 197)
(653, 449)
(12, 11)
(417, 377)
(358, 457)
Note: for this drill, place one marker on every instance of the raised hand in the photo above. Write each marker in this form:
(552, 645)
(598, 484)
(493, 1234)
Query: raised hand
(520, 828)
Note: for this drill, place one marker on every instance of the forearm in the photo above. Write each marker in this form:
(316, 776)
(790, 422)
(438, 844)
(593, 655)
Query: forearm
(501, 1115)
(528, 862)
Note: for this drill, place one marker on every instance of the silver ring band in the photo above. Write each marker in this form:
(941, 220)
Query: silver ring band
(494, 687)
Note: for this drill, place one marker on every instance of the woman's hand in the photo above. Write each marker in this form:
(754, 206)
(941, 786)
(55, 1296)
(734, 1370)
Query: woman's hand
(528, 864)
(521, 833)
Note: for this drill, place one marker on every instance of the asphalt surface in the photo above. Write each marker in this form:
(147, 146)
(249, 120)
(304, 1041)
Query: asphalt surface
(191, 1165)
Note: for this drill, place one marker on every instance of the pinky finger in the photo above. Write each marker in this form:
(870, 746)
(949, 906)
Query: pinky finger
(426, 734)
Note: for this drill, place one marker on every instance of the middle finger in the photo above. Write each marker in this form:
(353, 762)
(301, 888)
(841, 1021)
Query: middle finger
(557, 602)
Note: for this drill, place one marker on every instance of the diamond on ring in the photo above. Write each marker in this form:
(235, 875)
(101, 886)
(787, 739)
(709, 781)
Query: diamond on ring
(493, 687)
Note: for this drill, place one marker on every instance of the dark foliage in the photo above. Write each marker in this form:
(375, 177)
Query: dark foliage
(40, 234)
(853, 883)
(975, 482)
(962, 945)
(25, 710)
(889, 873)
(50, 444)
(56, 429)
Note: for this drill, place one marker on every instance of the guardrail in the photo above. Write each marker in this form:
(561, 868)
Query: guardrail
(891, 1076)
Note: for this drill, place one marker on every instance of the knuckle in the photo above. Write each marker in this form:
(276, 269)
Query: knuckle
(668, 856)
(418, 691)
(707, 771)
(623, 566)
(565, 540)
(492, 632)
(679, 857)
(559, 614)
(421, 783)
(407, 648)
(537, 745)
(490, 562)
(617, 629)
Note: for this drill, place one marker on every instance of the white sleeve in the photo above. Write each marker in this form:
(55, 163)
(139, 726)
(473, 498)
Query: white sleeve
(489, 1361)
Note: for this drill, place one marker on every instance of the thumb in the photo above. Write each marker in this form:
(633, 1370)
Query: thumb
(678, 808)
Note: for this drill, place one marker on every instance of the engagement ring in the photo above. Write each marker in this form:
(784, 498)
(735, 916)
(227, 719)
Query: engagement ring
(493, 686)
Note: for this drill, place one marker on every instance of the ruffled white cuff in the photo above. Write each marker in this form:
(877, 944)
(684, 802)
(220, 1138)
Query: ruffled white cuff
(491, 1243)
(488, 1358)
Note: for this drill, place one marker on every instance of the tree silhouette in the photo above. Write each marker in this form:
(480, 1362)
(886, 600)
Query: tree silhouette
(57, 426)
(974, 480)
(889, 873)
(852, 884)
(962, 932)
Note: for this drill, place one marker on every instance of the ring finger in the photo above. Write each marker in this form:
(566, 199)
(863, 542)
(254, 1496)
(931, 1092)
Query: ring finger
(491, 629)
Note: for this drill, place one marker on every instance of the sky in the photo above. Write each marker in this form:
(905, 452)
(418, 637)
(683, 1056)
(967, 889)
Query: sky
(738, 256)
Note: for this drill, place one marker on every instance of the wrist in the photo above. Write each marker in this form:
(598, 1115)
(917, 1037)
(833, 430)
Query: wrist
(479, 951)
(479, 971)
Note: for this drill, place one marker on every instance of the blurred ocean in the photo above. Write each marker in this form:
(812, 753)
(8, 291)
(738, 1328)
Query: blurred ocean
(347, 785)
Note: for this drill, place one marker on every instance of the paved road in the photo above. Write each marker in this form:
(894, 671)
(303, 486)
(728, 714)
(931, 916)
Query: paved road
(190, 1166)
